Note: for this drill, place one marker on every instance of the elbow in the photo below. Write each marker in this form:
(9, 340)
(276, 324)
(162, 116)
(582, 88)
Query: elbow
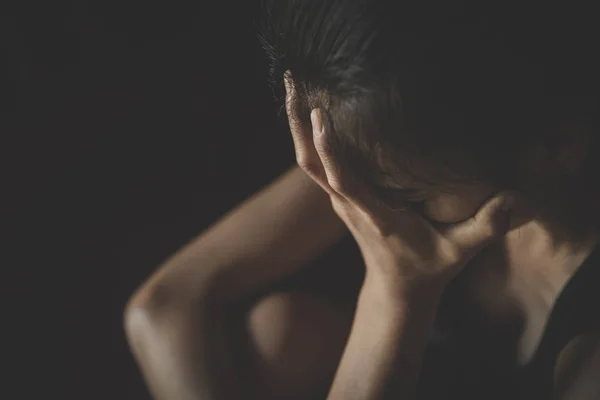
(152, 324)
(152, 298)
(143, 311)
(137, 319)
(157, 306)
(153, 341)
(164, 306)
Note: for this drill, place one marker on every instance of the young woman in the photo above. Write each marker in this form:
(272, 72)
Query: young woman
(458, 148)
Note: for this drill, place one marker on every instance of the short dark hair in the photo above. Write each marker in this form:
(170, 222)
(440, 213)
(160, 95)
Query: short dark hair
(441, 89)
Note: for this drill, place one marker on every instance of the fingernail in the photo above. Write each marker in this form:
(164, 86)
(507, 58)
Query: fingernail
(315, 119)
(287, 81)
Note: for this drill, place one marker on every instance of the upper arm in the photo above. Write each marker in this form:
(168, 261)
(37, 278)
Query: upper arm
(577, 371)
(265, 239)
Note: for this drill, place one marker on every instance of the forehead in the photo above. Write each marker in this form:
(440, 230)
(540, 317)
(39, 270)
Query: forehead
(394, 171)
(417, 179)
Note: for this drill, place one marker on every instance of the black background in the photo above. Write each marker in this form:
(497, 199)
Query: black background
(130, 127)
(126, 128)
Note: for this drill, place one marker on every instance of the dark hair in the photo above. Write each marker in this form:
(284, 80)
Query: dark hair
(441, 90)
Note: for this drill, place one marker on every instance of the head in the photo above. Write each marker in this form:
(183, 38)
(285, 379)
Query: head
(437, 105)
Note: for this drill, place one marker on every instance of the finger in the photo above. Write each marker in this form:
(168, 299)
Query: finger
(306, 154)
(491, 222)
(344, 184)
(332, 170)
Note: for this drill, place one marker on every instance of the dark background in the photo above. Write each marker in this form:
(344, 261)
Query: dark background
(126, 128)
(130, 127)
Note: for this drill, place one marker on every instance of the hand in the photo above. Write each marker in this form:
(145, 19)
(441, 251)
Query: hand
(399, 248)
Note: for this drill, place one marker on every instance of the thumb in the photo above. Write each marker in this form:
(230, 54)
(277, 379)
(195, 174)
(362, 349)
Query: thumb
(491, 222)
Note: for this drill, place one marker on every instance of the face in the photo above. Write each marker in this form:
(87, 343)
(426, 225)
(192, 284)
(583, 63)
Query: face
(459, 204)
(439, 204)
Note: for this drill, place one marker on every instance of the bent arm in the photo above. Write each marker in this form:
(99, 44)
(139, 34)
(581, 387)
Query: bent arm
(175, 321)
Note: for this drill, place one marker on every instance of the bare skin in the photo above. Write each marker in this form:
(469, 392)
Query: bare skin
(297, 338)
(296, 319)
(245, 253)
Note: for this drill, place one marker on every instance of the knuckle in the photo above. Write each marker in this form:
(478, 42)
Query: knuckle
(322, 147)
(307, 165)
(338, 185)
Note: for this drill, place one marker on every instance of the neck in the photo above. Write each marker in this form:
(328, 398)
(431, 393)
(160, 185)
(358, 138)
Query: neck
(539, 267)
(564, 214)
(531, 265)
(535, 248)
(517, 282)
(560, 235)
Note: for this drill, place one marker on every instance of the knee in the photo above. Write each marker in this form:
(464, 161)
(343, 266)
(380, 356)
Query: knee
(298, 340)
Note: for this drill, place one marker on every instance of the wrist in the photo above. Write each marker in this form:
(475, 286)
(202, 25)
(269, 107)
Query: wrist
(405, 292)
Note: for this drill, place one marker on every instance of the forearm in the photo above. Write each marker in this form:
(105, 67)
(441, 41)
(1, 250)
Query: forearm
(382, 359)
(181, 352)
(266, 239)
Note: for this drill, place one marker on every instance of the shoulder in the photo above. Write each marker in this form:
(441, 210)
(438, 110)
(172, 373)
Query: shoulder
(578, 367)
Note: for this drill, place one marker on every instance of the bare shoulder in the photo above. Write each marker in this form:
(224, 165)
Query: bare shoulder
(578, 368)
